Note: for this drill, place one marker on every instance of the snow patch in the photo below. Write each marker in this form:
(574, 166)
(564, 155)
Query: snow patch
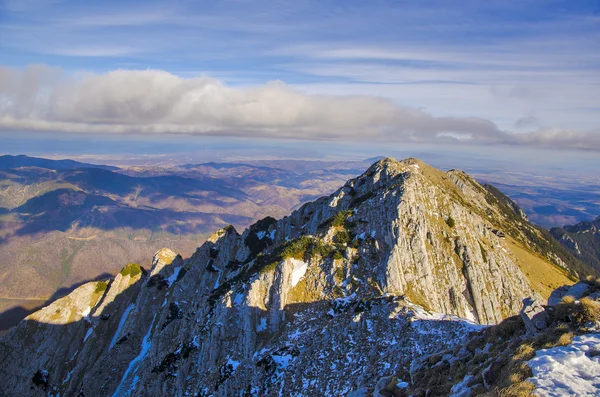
(86, 311)
(173, 276)
(262, 325)
(298, 270)
(461, 389)
(146, 345)
(238, 300)
(234, 364)
(570, 370)
(68, 376)
(401, 384)
(420, 314)
(282, 361)
(120, 326)
(88, 333)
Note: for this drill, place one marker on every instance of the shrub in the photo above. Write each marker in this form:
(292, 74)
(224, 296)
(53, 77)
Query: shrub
(342, 237)
(132, 270)
(339, 219)
(297, 248)
(101, 286)
(450, 221)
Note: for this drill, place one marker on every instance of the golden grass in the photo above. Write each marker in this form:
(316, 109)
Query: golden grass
(590, 309)
(525, 352)
(579, 312)
(520, 389)
(542, 275)
(303, 293)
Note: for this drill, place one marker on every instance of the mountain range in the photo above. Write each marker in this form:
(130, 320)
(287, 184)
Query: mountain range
(404, 281)
(63, 222)
(582, 239)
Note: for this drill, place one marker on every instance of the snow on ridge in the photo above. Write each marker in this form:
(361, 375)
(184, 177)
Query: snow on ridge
(420, 314)
(570, 370)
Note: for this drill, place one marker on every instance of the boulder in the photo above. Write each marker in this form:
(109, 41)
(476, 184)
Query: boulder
(534, 316)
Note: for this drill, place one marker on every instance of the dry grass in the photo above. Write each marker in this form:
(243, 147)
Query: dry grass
(542, 275)
(594, 282)
(520, 389)
(577, 312)
(590, 309)
(525, 352)
(565, 339)
(500, 353)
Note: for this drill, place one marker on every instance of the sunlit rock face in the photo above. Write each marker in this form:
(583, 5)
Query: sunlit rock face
(338, 297)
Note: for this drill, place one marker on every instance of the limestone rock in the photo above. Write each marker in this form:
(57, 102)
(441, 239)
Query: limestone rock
(534, 316)
(398, 263)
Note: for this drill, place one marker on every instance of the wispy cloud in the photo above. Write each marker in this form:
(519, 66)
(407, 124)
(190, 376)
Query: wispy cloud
(155, 102)
(502, 61)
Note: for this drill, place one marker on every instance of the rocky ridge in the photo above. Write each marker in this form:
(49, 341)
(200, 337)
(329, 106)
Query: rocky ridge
(582, 239)
(334, 299)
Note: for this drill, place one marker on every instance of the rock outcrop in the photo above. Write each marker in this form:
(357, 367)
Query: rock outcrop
(330, 300)
(582, 240)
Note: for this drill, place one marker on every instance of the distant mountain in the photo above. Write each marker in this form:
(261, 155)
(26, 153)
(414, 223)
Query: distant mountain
(63, 223)
(372, 290)
(8, 162)
(582, 239)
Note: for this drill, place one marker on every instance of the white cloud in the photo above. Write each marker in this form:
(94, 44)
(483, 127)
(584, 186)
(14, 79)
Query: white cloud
(154, 102)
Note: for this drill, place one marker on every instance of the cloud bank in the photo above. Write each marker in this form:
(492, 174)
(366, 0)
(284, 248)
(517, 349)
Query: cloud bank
(41, 98)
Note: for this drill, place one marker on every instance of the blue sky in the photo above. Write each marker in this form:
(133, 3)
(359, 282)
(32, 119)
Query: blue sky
(483, 73)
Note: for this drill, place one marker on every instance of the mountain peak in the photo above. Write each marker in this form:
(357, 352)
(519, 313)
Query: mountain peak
(310, 294)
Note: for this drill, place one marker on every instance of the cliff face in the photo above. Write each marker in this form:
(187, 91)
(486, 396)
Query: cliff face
(582, 240)
(331, 300)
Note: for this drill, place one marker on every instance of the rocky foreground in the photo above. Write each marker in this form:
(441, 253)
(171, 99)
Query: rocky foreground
(346, 296)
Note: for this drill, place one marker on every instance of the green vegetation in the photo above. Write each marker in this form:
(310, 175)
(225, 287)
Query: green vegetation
(361, 199)
(306, 247)
(483, 252)
(339, 219)
(302, 248)
(450, 221)
(67, 257)
(132, 270)
(343, 237)
(339, 274)
(101, 286)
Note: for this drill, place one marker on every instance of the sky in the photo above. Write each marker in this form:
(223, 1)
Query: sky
(148, 75)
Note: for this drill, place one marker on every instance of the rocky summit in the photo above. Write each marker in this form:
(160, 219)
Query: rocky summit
(345, 296)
